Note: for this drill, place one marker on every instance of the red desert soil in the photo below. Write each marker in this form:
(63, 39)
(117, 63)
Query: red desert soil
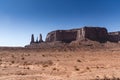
(34, 64)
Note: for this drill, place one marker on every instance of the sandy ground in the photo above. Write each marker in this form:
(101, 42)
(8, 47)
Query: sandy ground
(48, 65)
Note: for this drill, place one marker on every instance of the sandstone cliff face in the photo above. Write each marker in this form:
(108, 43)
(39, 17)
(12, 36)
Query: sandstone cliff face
(92, 33)
(114, 36)
(61, 35)
(96, 34)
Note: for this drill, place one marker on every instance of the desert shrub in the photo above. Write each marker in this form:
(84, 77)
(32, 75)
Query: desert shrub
(21, 73)
(22, 58)
(79, 60)
(107, 78)
(27, 63)
(58, 60)
(43, 55)
(47, 63)
(54, 68)
(0, 59)
(12, 56)
(12, 62)
(76, 68)
(87, 68)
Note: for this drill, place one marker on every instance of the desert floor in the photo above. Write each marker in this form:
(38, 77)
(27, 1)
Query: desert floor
(18, 64)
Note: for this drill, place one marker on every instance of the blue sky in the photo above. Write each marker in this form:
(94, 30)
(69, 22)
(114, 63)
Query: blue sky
(21, 18)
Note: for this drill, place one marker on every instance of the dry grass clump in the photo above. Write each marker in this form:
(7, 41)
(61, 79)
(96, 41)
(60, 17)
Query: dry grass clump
(54, 68)
(76, 68)
(22, 58)
(12, 62)
(0, 59)
(79, 60)
(107, 78)
(43, 55)
(27, 63)
(21, 73)
(47, 63)
(12, 56)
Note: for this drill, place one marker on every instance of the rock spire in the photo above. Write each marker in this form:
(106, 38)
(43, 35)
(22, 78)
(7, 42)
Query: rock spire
(32, 39)
(40, 38)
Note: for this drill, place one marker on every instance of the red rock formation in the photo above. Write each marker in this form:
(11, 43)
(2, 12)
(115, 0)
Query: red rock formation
(32, 39)
(40, 38)
(96, 33)
(92, 33)
(114, 36)
(61, 35)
